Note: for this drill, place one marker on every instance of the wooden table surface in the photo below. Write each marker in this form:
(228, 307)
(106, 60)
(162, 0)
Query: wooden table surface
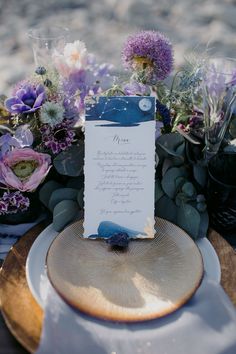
(227, 257)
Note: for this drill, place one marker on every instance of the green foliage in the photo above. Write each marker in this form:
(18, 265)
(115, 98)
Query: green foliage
(166, 208)
(46, 191)
(64, 213)
(169, 181)
(232, 127)
(189, 219)
(178, 194)
(71, 161)
(63, 202)
(61, 194)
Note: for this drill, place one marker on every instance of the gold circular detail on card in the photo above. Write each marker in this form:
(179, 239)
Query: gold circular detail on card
(153, 278)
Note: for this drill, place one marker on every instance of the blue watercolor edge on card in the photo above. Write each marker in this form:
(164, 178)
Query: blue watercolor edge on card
(123, 111)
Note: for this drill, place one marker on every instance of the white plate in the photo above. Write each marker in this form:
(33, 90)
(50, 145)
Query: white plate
(39, 283)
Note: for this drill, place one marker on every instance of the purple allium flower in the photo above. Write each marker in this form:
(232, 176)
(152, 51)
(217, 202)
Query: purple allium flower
(57, 138)
(12, 203)
(135, 88)
(149, 52)
(26, 100)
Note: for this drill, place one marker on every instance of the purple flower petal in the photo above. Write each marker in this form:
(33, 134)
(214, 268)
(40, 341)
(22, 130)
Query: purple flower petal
(39, 100)
(19, 107)
(24, 136)
(10, 102)
(20, 93)
(28, 99)
(39, 89)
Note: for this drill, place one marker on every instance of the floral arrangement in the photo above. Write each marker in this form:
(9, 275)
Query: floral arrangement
(42, 123)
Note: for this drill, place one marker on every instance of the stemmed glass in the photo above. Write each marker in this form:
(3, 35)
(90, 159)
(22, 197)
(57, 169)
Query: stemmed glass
(219, 96)
(45, 41)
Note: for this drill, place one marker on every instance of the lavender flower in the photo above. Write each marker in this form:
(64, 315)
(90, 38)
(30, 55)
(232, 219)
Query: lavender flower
(26, 100)
(148, 53)
(57, 138)
(13, 202)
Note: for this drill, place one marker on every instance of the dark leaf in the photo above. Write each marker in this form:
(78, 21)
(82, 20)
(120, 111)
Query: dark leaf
(70, 162)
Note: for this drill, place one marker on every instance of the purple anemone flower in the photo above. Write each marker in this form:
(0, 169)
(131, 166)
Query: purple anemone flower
(26, 100)
(149, 52)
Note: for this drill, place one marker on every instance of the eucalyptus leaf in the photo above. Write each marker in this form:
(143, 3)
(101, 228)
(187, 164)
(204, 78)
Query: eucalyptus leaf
(63, 213)
(189, 219)
(179, 182)
(62, 194)
(232, 127)
(200, 174)
(166, 165)
(46, 191)
(161, 155)
(80, 198)
(181, 149)
(204, 224)
(165, 208)
(176, 160)
(71, 161)
(169, 143)
(168, 181)
(76, 182)
(158, 190)
(189, 190)
(180, 199)
(201, 207)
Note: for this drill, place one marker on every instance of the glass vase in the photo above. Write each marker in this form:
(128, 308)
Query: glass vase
(219, 96)
(45, 41)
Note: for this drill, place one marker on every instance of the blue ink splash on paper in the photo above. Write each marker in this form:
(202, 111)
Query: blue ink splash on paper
(107, 229)
(124, 111)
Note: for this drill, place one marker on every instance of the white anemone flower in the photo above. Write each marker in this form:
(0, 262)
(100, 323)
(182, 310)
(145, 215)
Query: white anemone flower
(76, 55)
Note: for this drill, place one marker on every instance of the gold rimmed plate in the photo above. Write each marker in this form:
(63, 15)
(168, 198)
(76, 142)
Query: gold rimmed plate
(151, 279)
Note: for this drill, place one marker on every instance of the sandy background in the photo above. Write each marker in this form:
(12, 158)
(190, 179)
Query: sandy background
(104, 25)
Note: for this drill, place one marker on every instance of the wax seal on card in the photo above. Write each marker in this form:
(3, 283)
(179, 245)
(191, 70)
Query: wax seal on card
(145, 104)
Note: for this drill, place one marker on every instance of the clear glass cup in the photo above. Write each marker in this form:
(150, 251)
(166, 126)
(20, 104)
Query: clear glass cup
(45, 41)
(219, 96)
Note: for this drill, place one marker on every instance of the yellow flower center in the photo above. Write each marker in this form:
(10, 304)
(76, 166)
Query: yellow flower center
(75, 56)
(142, 62)
(24, 169)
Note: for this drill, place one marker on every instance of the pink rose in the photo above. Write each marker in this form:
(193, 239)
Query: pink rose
(24, 169)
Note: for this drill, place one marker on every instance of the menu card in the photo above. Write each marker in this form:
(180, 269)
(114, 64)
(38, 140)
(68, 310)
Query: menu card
(120, 166)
